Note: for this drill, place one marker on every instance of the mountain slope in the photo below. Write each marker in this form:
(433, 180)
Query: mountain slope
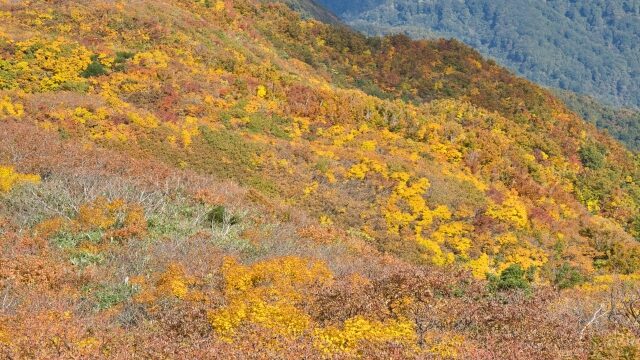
(623, 124)
(203, 179)
(312, 9)
(590, 47)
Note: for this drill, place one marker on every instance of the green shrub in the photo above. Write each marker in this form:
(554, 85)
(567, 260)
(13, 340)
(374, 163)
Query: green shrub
(83, 259)
(95, 68)
(7, 76)
(624, 259)
(323, 164)
(567, 276)
(66, 240)
(219, 215)
(224, 144)
(76, 86)
(592, 156)
(512, 278)
(635, 228)
(111, 295)
(121, 59)
(269, 124)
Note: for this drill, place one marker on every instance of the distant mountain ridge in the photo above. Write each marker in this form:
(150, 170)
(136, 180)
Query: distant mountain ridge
(310, 8)
(589, 47)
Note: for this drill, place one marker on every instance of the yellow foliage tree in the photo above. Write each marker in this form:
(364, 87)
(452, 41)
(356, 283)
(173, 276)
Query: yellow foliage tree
(54, 64)
(261, 91)
(511, 211)
(10, 109)
(155, 59)
(188, 130)
(480, 266)
(9, 178)
(266, 294)
(174, 281)
(332, 340)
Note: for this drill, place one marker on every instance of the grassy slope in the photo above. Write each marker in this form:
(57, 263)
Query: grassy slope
(410, 170)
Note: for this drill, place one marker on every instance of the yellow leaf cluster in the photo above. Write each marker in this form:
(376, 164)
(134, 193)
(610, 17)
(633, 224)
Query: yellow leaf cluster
(104, 215)
(436, 255)
(188, 130)
(10, 109)
(299, 126)
(175, 282)
(359, 171)
(312, 188)
(148, 121)
(332, 340)
(369, 145)
(480, 266)
(325, 220)
(95, 122)
(447, 347)
(604, 282)
(446, 152)
(341, 135)
(87, 343)
(406, 203)
(406, 207)
(266, 294)
(454, 234)
(261, 91)
(100, 214)
(526, 256)
(4, 335)
(9, 178)
(54, 64)
(511, 211)
(219, 6)
(154, 59)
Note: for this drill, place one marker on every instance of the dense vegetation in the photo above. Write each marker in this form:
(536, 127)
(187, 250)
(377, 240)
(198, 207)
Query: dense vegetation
(589, 47)
(622, 123)
(226, 179)
(310, 9)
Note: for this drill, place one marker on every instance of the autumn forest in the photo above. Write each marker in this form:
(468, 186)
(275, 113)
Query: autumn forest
(209, 179)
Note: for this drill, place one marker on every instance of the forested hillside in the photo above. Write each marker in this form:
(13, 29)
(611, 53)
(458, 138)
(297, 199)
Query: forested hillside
(228, 179)
(622, 123)
(589, 47)
(310, 9)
